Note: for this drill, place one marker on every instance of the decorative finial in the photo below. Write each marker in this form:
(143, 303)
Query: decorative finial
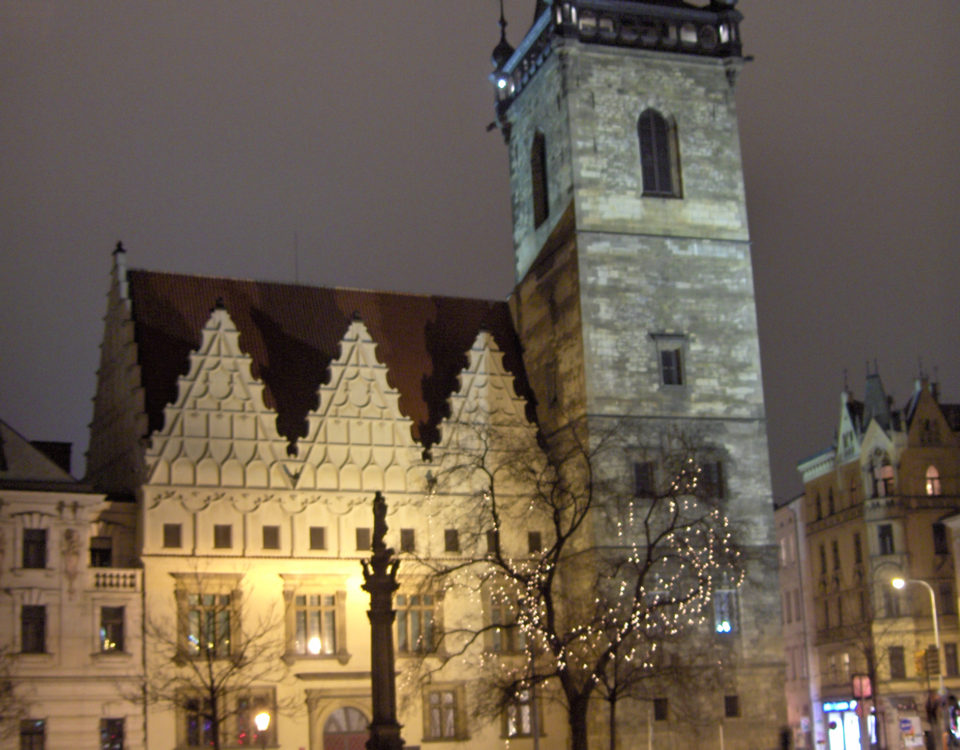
(119, 248)
(503, 51)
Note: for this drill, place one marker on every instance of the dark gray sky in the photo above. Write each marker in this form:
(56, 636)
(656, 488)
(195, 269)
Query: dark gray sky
(215, 137)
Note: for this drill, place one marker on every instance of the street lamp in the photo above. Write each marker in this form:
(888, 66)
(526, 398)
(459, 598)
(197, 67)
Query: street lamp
(900, 583)
(262, 720)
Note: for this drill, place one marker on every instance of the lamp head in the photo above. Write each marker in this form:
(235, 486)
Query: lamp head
(262, 720)
(898, 582)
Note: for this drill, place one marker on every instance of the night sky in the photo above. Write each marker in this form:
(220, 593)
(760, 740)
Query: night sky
(344, 143)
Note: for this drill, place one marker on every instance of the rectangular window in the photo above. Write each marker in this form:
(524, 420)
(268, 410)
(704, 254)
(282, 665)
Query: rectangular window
(538, 177)
(643, 479)
(318, 537)
(797, 609)
(950, 659)
(948, 605)
(786, 607)
(111, 734)
(857, 550)
(726, 617)
(898, 670)
(172, 537)
(199, 727)
(208, 624)
(534, 542)
(940, 546)
(363, 539)
(506, 636)
(246, 707)
(885, 538)
(891, 602)
(34, 548)
(835, 550)
(415, 623)
(111, 628)
(451, 540)
(271, 537)
(33, 629)
(33, 734)
(491, 542)
(731, 706)
(222, 536)
(519, 716)
(660, 706)
(316, 618)
(823, 560)
(711, 474)
(443, 721)
(671, 367)
(101, 552)
(407, 540)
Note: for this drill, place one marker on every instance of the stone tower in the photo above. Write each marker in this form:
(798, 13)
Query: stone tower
(634, 296)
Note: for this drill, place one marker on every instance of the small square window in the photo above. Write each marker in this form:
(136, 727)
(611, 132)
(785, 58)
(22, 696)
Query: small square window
(172, 536)
(111, 628)
(660, 706)
(407, 540)
(34, 548)
(271, 537)
(534, 542)
(101, 552)
(222, 536)
(363, 539)
(318, 538)
(731, 706)
(451, 540)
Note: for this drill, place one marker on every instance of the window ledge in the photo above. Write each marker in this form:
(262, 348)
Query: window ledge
(112, 655)
(292, 656)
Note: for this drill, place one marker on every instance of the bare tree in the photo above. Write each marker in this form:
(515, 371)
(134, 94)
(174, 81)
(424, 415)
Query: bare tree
(595, 572)
(13, 706)
(214, 661)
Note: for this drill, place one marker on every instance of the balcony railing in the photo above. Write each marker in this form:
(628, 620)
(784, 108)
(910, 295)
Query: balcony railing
(115, 579)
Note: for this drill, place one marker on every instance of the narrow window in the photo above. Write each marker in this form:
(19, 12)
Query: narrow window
(33, 734)
(659, 157)
(208, 624)
(363, 539)
(831, 508)
(506, 636)
(950, 659)
(101, 552)
(534, 542)
(33, 629)
(271, 537)
(711, 474)
(408, 540)
(857, 549)
(643, 479)
(34, 548)
(518, 719)
(415, 623)
(940, 546)
(731, 706)
(451, 540)
(442, 715)
(660, 706)
(835, 552)
(671, 367)
(538, 175)
(491, 542)
(823, 560)
(947, 602)
(898, 670)
(726, 616)
(111, 628)
(316, 618)
(318, 537)
(111, 734)
(222, 536)
(933, 481)
(885, 538)
(172, 536)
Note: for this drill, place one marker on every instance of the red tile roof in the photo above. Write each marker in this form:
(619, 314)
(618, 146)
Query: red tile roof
(293, 332)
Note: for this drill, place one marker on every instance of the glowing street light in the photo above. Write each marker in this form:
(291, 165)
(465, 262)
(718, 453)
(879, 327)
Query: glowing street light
(262, 720)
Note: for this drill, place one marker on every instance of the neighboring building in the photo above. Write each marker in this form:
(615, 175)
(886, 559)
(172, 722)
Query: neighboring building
(874, 507)
(71, 598)
(797, 635)
(250, 423)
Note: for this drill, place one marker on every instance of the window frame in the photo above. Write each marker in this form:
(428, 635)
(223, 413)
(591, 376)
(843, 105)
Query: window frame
(364, 540)
(172, 532)
(410, 619)
(520, 709)
(539, 180)
(317, 538)
(408, 540)
(223, 536)
(35, 552)
(659, 152)
(895, 658)
(436, 710)
(451, 540)
(30, 729)
(188, 590)
(33, 629)
(270, 537)
(295, 585)
(672, 365)
(109, 726)
(726, 611)
(118, 618)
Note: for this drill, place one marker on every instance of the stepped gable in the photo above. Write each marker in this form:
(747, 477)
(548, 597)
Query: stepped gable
(292, 333)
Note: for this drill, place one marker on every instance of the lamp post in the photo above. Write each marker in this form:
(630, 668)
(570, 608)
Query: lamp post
(900, 583)
(262, 720)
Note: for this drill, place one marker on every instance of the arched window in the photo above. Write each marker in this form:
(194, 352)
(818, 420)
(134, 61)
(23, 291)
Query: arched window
(659, 158)
(933, 481)
(538, 176)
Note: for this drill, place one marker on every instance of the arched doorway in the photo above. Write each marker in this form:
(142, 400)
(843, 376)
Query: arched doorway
(346, 729)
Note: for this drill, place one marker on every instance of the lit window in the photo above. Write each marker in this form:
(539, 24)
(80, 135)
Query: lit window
(933, 481)
(415, 623)
(34, 548)
(726, 617)
(111, 628)
(316, 618)
(237, 727)
(33, 629)
(506, 636)
(444, 720)
(208, 624)
(111, 734)
(538, 176)
(518, 717)
(33, 734)
(659, 155)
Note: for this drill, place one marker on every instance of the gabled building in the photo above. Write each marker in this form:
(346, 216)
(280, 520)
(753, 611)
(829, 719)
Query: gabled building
(70, 591)
(874, 507)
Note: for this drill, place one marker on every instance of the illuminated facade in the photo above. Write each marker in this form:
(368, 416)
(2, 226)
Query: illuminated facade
(873, 508)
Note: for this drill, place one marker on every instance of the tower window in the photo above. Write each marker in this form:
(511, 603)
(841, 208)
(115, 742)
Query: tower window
(538, 175)
(885, 539)
(659, 157)
(643, 479)
(933, 481)
(670, 357)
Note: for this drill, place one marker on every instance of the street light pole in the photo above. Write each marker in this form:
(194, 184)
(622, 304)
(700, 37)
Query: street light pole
(899, 583)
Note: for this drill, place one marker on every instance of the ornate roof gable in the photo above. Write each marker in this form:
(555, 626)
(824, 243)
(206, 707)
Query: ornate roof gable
(218, 432)
(487, 393)
(357, 438)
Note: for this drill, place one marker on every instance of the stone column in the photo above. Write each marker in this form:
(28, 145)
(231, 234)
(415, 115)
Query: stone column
(380, 581)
